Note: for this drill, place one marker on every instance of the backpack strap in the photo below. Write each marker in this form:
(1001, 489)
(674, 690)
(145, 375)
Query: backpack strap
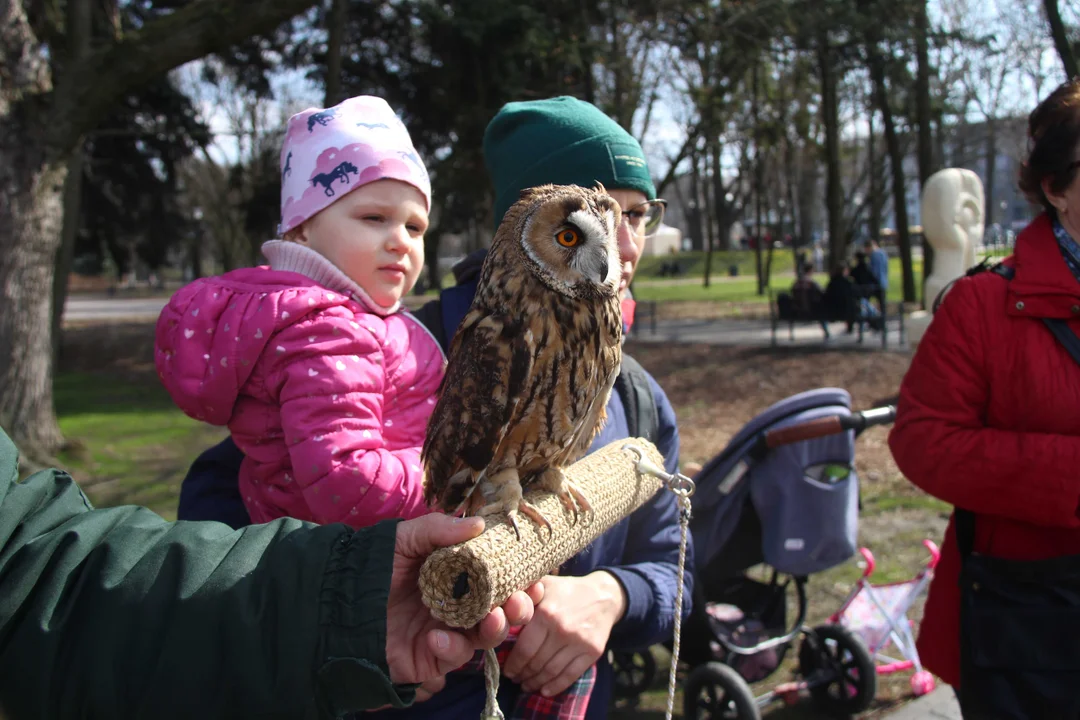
(1065, 336)
(634, 390)
(984, 266)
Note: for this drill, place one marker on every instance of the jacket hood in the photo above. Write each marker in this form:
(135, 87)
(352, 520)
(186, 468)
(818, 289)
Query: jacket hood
(209, 337)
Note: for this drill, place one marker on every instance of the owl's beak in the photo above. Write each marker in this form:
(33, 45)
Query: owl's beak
(597, 267)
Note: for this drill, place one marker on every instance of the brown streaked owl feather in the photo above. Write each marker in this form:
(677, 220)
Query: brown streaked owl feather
(533, 362)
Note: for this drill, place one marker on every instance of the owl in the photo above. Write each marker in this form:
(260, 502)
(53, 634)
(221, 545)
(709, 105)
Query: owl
(532, 364)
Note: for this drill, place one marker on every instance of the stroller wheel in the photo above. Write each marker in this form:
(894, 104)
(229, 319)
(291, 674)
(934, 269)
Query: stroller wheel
(841, 673)
(716, 692)
(634, 672)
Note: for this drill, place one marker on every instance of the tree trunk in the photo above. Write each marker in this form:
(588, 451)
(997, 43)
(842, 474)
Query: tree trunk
(65, 255)
(78, 30)
(922, 111)
(1061, 40)
(808, 201)
(712, 208)
(830, 116)
(874, 193)
(31, 219)
(696, 214)
(991, 169)
(334, 31)
(896, 165)
(758, 170)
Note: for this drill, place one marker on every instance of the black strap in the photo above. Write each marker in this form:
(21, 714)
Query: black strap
(1065, 336)
(634, 390)
(1000, 269)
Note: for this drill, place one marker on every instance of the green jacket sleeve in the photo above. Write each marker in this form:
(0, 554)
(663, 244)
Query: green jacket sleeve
(117, 613)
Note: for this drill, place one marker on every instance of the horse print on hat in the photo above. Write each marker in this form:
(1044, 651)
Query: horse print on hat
(327, 179)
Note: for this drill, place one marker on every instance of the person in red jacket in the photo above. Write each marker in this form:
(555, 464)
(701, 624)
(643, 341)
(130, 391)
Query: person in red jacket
(989, 412)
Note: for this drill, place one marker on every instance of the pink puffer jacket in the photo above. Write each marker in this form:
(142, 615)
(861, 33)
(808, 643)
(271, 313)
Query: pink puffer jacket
(328, 401)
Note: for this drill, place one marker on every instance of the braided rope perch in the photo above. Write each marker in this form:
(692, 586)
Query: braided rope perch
(461, 584)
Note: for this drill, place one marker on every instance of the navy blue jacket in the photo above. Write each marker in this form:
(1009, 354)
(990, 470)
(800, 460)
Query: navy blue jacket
(641, 551)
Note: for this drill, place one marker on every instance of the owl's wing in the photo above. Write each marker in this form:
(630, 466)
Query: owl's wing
(491, 359)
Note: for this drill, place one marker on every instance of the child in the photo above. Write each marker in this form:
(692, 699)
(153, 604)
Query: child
(323, 382)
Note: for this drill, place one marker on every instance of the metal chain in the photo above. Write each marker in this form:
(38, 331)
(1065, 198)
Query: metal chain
(684, 528)
(683, 487)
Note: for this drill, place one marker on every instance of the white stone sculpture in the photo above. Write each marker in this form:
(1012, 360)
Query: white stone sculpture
(952, 222)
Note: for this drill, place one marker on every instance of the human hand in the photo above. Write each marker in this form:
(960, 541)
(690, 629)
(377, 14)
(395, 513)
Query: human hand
(420, 649)
(568, 632)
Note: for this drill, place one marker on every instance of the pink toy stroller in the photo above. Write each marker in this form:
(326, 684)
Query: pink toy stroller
(878, 615)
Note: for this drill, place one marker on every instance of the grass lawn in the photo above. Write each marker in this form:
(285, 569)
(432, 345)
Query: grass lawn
(743, 288)
(136, 448)
(133, 444)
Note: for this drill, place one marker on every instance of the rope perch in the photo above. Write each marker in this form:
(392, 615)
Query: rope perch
(461, 584)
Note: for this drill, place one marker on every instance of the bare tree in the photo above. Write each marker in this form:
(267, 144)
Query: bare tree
(1061, 40)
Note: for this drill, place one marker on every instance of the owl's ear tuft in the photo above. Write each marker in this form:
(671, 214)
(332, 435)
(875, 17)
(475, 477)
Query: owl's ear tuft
(599, 187)
(531, 192)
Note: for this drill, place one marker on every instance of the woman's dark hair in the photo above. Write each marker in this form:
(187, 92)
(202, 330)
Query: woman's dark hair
(1053, 136)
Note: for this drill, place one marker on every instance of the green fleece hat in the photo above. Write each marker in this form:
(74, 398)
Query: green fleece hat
(563, 141)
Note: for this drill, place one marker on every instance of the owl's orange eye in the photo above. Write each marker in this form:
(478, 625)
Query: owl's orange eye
(568, 238)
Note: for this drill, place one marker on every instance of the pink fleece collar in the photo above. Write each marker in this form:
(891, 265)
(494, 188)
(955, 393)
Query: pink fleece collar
(294, 257)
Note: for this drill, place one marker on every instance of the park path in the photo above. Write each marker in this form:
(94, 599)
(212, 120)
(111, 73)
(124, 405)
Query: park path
(91, 308)
(938, 705)
(723, 331)
(732, 332)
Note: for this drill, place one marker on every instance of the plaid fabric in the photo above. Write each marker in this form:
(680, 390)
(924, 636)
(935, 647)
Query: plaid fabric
(570, 704)
(1070, 250)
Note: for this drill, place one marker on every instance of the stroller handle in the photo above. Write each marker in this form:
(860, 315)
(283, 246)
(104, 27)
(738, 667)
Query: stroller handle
(823, 427)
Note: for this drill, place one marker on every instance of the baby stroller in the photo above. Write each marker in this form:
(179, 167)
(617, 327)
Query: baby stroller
(783, 493)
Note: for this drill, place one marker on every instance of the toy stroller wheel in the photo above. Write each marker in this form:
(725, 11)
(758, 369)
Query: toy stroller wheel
(634, 672)
(716, 692)
(840, 669)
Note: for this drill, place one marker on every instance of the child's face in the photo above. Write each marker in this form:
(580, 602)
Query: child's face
(375, 235)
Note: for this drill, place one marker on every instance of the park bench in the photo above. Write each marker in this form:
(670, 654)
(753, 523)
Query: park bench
(808, 307)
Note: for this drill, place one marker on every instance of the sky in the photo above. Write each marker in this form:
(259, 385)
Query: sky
(1012, 24)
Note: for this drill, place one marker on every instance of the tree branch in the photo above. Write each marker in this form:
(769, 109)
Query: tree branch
(87, 91)
(1061, 39)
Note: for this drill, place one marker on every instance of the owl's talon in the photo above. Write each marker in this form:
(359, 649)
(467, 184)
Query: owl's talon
(567, 501)
(514, 524)
(582, 503)
(536, 516)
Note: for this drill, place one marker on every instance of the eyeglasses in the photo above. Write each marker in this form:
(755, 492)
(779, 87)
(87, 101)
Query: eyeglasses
(645, 217)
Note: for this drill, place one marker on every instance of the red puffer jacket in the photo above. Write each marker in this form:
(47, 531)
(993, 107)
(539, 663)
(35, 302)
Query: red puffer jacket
(989, 420)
